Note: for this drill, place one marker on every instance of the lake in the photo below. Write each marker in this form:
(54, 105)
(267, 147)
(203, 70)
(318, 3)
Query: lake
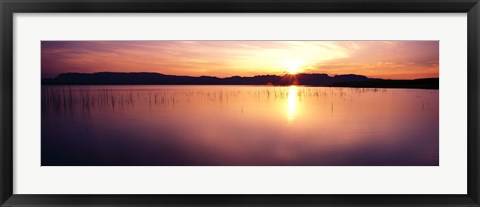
(238, 126)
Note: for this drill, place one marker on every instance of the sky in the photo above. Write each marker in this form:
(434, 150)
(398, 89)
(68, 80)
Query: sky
(375, 59)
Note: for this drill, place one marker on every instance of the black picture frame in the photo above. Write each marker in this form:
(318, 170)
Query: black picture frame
(9, 7)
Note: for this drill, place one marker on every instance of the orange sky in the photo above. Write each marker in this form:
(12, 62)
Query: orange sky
(375, 59)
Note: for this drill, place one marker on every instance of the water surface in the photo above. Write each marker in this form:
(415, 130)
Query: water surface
(238, 125)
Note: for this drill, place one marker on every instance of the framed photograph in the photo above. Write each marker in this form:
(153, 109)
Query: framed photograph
(239, 103)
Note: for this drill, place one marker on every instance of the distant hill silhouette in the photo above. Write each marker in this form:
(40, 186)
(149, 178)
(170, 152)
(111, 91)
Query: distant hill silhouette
(349, 80)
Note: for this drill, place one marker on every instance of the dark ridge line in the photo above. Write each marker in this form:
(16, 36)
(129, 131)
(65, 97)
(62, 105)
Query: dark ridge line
(307, 79)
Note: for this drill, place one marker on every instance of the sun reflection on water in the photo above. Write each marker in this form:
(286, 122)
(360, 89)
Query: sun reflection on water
(292, 103)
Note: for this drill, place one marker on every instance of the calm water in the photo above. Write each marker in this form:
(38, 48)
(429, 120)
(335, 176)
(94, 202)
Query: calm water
(238, 125)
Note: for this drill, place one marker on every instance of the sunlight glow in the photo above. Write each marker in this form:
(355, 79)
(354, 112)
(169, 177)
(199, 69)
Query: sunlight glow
(292, 103)
(293, 66)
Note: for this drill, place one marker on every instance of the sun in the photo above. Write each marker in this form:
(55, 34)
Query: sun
(293, 66)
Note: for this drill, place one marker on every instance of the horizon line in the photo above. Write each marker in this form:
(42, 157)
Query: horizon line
(284, 74)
